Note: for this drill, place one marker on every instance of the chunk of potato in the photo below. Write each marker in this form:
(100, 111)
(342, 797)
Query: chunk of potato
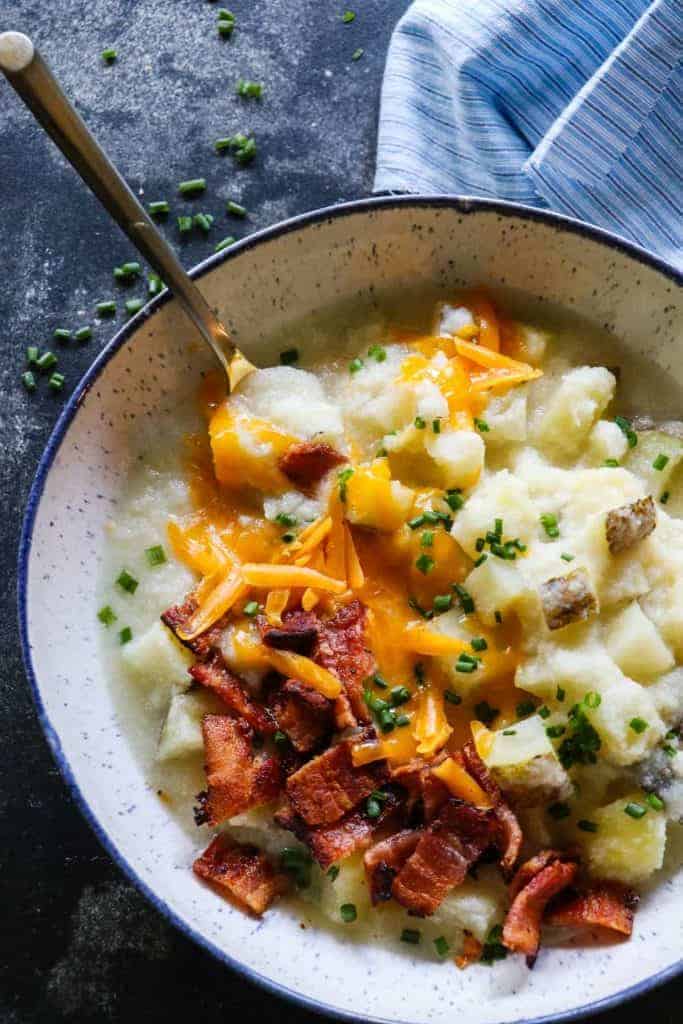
(499, 586)
(634, 642)
(523, 762)
(501, 496)
(459, 455)
(624, 849)
(181, 733)
(581, 397)
(292, 400)
(476, 905)
(157, 662)
(506, 417)
(606, 441)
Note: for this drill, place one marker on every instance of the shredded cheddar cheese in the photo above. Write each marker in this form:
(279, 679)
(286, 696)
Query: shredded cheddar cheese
(296, 666)
(460, 783)
(267, 575)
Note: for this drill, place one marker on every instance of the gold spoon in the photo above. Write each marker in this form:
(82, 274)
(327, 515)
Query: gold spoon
(31, 78)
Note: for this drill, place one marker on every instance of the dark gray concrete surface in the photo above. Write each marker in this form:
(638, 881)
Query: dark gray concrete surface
(78, 942)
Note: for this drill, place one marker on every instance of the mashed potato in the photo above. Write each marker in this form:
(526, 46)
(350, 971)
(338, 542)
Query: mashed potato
(509, 536)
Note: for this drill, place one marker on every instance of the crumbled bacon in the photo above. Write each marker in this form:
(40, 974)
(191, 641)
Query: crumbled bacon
(453, 842)
(177, 617)
(324, 789)
(604, 905)
(427, 793)
(511, 833)
(298, 632)
(215, 675)
(302, 714)
(332, 843)
(243, 873)
(522, 928)
(384, 860)
(237, 779)
(307, 462)
(531, 867)
(342, 650)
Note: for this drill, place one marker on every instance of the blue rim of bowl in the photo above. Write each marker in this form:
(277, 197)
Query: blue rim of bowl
(463, 204)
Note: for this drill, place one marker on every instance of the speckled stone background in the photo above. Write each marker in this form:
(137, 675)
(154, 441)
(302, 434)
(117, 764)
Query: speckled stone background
(78, 943)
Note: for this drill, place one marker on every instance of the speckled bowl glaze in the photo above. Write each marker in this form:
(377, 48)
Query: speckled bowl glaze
(276, 276)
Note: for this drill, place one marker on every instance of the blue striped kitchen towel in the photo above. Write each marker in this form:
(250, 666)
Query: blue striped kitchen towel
(573, 105)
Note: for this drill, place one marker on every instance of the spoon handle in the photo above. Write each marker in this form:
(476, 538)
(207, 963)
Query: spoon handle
(32, 79)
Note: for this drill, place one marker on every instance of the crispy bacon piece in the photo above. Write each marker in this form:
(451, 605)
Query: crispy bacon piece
(307, 462)
(237, 779)
(343, 651)
(530, 868)
(215, 675)
(427, 793)
(302, 714)
(603, 905)
(298, 632)
(453, 842)
(384, 860)
(522, 928)
(324, 789)
(511, 833)
(178, 615)
(243, 873)
(332, 843)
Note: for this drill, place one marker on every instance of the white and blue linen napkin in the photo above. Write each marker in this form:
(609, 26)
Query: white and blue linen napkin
(572, 105)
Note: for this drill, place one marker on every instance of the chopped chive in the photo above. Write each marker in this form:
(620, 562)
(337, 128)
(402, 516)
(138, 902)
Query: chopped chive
(442, 602)
(32, 355)
(544, 712)
(478, 643)
(134, 306)
(378, 353)
(427, 539)
(125, 635)
(635, 810)
(56, 381)
(465, 598)
(348, 17)
(419, 423)
(289, 356)
(411, 935)
(348, 912)
(400, 695)
(203, 221)
(154, 284)
(379, 681)
(225, 27)
(109, 55)
(592, 700)
(46, 361)
(417, 607)
(639, 725)
(28, 380)
(127, 582)
(417, 522)
(184, 224)
(441, 946)
(627, 430)
(357, 54)
(280, 739)
(485, 713)
(425, 564)
(524, 708)
(566, 557)
(498, 527)
(61, 334)
(251, 608)
(587, 826)
(131, 269)
(553, 732)
(660, 462)
(655, 802)
(436, 426)
(107, 308)
(155, 555)
(355, 365)
(236, 209)
(343, 478)
(192, 187)
(159, 208)
(481, 425)
(669, 750)
(333, 872)
(549, 524)
(665, 497)
(560, 694)
(480, 561)
(559, 811)
(106, 615)
(402, 720)
(454, 500)
(249, 90)
(451, 697)
(611, 463)
(509, 732)
(83, 334)
(285, 519)
(467, 667)
(224, 243)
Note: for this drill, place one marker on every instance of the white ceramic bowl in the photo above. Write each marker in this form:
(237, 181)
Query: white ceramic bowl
(352, 252)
